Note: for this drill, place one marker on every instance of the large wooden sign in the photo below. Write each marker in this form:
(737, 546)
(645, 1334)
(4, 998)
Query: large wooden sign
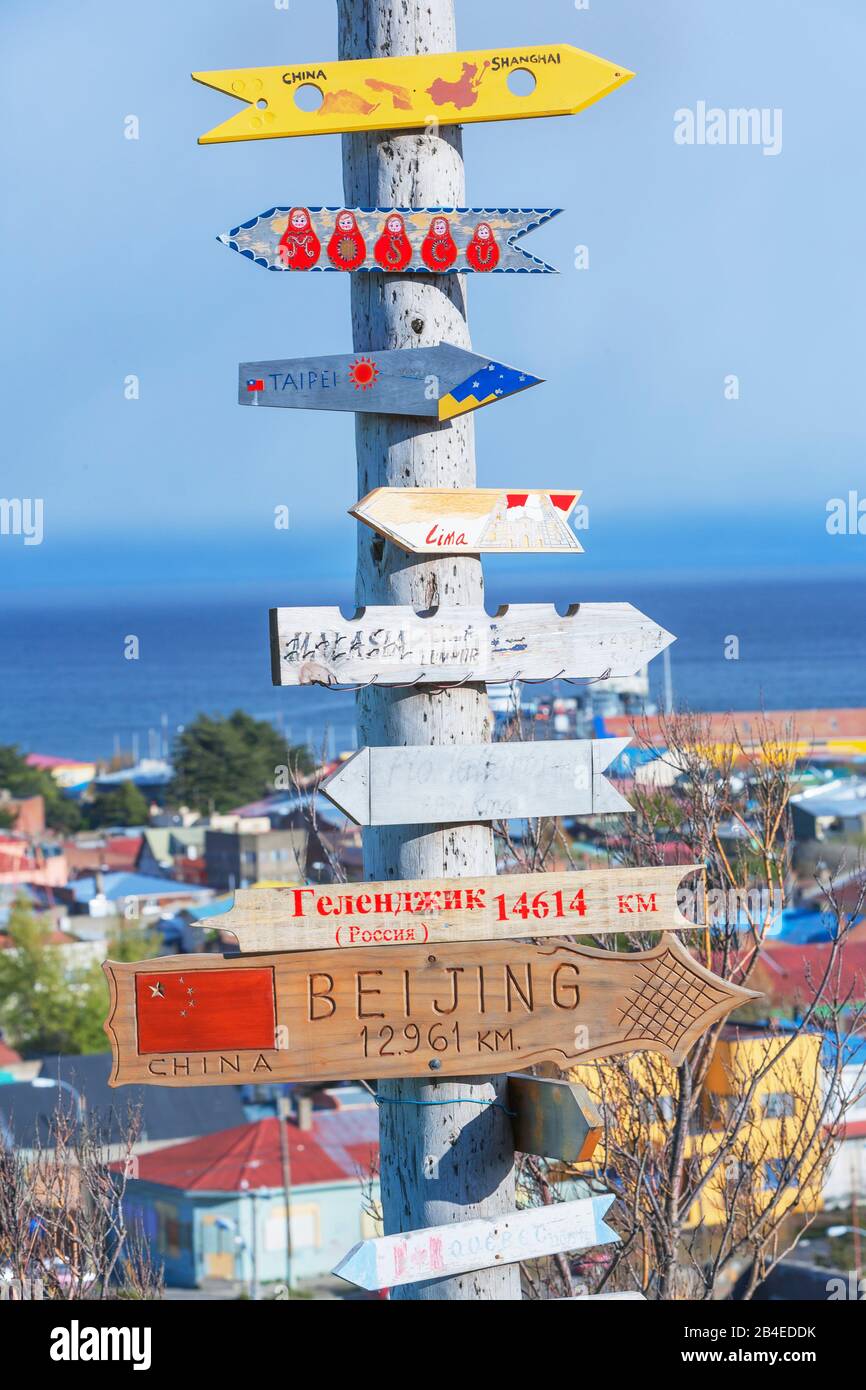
(462, 1010)
(441, 382)
(593, 902)
(440, 1252)
(410, 93)
(399, 646)
(404, 241)
(446, 783)
(555, 1119)
(461, 521)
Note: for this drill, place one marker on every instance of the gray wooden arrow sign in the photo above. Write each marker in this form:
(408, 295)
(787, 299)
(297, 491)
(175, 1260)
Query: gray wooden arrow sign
(442, 382)
(437, 1252)
(477, 782)
(522, 641)
(555, 1119)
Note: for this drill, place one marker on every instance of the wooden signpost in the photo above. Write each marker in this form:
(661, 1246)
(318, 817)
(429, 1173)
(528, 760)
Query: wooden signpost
(392, 240)
(460, 521)
(555, 1119)
(442, 1251)
(595, 902)
(397, 645)
(399, 1011)
(445, 784)
(442, 382)
(410, 92)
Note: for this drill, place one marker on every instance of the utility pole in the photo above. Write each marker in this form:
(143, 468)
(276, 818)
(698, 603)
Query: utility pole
(283, 1111)
(447, 1153)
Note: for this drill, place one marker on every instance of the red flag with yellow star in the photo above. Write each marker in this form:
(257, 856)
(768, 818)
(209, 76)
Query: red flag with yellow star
(205, 1010)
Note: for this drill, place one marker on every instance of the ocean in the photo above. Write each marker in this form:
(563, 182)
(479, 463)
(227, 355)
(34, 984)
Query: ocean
(67, 689)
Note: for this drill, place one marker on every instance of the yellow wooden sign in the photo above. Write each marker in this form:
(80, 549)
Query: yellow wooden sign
(409, 93)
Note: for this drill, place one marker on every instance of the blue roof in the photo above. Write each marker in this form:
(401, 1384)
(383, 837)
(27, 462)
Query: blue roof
(199, 911)
(150, 772)
(800, 926)
(128, 885)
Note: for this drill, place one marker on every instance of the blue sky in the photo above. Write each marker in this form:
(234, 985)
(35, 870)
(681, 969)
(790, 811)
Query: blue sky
(704, 261)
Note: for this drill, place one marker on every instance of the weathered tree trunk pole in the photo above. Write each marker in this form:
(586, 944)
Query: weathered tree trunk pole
(448, 1161)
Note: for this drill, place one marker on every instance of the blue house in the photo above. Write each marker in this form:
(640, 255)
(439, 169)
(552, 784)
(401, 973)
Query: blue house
(215, 1208)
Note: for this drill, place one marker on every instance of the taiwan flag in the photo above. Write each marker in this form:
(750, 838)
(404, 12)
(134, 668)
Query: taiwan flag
(256, 385)
(205, 1010)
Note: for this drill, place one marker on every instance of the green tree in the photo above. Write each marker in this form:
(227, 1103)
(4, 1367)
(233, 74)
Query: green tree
(21, 780)
(47, 1006)
(120, 805)
(222, 763)
(38, 997)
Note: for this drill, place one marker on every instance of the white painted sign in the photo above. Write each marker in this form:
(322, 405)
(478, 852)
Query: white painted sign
(396, 645)
(440, 1252)
(477, 782)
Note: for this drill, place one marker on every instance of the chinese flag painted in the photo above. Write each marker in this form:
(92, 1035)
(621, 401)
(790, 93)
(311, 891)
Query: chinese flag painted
(205, 1010)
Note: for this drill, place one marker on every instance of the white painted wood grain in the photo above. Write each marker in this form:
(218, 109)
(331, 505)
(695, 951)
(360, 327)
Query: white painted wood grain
(397, 645)
(440, 1251)
(499, 781)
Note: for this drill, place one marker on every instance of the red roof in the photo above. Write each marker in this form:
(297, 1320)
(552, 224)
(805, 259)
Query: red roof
(809, 724)
(8, 1055)
(854, 1129)
(342, 1146)
(785, 971)
(119, 852)
(46, 761)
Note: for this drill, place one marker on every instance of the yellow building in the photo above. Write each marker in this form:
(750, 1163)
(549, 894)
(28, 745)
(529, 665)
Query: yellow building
(745, 1169)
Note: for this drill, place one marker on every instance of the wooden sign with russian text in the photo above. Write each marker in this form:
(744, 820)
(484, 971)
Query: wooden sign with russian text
(460, 521)
(410, 92)
(554, 1119)
(397, 645)
(440, 1252)
(594, 902)
(443, 784)
(391, 241)
(461, 1010)
(440, 382)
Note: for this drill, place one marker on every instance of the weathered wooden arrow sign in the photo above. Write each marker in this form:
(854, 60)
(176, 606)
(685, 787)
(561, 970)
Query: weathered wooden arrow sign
(405, 241)
(441, 382)
(593, 902)
(555, 1119)
(410, 93)
(460, 521)
(440, 1252)
(399, 646)
(444, 784)
(461, 1010)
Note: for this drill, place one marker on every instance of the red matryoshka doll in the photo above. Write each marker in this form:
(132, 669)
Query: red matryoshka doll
(482, 253)
(347, 248)
(439, 249)
(299, 247)
(393, 250)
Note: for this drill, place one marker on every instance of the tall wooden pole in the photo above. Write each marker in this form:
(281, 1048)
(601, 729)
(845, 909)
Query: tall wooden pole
(447, 1154)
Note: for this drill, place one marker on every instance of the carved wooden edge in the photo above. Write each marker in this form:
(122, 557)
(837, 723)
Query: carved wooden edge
(108, 1025)
(736, 995)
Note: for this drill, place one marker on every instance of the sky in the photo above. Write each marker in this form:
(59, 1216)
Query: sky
(704, 262)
